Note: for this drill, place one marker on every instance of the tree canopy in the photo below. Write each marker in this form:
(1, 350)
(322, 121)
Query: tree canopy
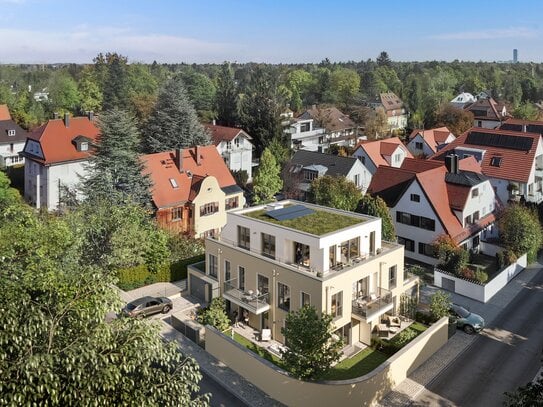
(520, 230)
(335, 192)
(375, 206)
(312, 347)
(173, 122)
(267, 181)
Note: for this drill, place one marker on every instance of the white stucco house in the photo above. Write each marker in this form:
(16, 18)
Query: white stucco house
(424, 143)
(57, 154)
(235, 147)
(463, 99)
(12, 140)
(388, 152)
(427, 199)
(304, 134)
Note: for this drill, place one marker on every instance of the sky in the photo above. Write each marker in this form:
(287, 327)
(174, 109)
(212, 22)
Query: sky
(272, 31)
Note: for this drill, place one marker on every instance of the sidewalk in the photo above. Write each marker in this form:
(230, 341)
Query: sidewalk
(411, 387)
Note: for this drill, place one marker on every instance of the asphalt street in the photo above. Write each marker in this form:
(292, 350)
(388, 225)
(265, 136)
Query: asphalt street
(507, 354)
(220, 397)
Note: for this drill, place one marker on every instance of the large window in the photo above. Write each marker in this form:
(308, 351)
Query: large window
(241, 277)
(227, 272)
(263, 287)
(301, 254)
(416, 220)
(350, 249)
(283, 297)
(415, 197)
(177, 213)
(244, 237)
(268, 245)
(426, 249)
(306, 299)
(392, 274)
(231, 203)
(209, 208)
(212, 265)
(408, 243)
(305, 127)
(337, 305)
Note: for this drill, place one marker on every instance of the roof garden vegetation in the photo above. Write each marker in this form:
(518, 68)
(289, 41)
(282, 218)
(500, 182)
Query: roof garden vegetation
(318, 223)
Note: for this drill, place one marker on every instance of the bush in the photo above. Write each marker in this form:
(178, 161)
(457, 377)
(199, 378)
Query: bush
(505, 258)
(423, 318)
(440, 305)
(467, 273)
(390, 347)
(481, 276)
(138, 276)
(215, 315)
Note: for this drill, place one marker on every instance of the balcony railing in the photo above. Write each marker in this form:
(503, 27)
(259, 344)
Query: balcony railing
(253, 301)
(369, 306)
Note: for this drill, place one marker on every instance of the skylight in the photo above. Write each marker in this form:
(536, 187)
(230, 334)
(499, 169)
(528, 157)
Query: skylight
(174, 183)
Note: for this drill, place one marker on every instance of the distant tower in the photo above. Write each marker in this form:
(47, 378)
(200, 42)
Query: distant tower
(515, 56)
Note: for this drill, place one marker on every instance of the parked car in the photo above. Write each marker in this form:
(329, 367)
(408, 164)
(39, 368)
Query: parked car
(146, 306)
(466, 320)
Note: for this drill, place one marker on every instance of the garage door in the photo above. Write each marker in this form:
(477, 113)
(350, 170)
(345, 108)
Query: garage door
(448, 284)
(197, 287)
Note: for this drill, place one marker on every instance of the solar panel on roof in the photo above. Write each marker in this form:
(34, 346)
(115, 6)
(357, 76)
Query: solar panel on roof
(499, 140)
(290, 212)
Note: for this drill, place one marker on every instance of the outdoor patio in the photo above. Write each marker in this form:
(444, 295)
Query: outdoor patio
(387, 330)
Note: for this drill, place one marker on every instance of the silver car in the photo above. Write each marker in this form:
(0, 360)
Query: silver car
(146, 306)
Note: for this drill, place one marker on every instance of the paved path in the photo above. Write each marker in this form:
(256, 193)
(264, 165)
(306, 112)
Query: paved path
(450, 358)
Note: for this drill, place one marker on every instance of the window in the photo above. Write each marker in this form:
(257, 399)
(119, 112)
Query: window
(228, 145)
(337, 305)
(283, 297)
(305, 127)
(408, 243)
(268, 245)
(475, 192)
(427, 223)
(301, 254)
(415, 197)
(241, 277)
(310, 175)
(475, 216)
(212, 265)
(244, 237)
(496, 161)
(349, 250)
(415, 220)
(262, 286)
(227, 272)
(209, 208)
(231, 203)
(467, 220)
(426, 249)
(173, 182)
(362, 159)
(418, 145)
(392, 272)
(397, 158)
(177, 213)
(306, 299)
(84, 146)
(11, 147)
(237, 141)
(357, 180)
(475, 241)
(11, 133)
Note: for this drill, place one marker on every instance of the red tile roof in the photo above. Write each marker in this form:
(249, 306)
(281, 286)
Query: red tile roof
(377, 149)
(433, 137)
(223, 133)
(390, 183)
(162, 168)
(331, 118)
(4, 113)
(492, 110)
(56, 140)
(515, 165)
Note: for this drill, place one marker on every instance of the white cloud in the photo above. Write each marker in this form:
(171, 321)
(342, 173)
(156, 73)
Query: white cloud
(512, 32)
(83, 43)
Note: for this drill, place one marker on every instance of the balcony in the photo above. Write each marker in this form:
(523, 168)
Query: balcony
(251, 301)
(367, 307)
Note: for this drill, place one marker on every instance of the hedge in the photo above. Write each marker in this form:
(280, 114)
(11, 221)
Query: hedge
(138, 276)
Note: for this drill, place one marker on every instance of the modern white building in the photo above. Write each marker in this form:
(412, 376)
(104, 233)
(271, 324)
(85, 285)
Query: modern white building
(235, 147)
(271, 260)
(304, 135)
(12, 140)
(56, 155)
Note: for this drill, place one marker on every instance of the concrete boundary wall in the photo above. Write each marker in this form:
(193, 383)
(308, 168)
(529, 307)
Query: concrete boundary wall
(476, 290)
(362, 391)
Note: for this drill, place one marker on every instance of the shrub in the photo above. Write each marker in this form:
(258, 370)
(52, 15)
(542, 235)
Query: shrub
(423, 318)
(404, 337)
(505, 258)
(481, 276)
(215, 315)
(467, 273)
(440, 305)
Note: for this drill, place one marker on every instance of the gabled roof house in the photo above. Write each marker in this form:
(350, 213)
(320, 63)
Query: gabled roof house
(423, 143)
(387, 152)
(487, 113)
(12, 139)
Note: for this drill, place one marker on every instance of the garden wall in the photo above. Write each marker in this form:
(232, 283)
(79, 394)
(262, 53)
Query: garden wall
(490, 249)
(476, 290)
(362, 391)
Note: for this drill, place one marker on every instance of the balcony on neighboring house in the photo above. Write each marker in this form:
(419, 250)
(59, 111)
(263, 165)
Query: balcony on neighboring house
(253, 301)
(367, 307)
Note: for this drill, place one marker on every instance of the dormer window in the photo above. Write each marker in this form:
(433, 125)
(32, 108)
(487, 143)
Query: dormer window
(11, 132)
(85, 146)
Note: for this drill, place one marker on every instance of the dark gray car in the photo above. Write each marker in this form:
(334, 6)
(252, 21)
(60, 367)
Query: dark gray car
(146, 306)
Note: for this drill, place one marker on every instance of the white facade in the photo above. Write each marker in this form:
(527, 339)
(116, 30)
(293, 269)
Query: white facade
(360, 175)
(304, 135)
(418, 145)
(238, 154)
(397, 122)
(44, 183)
(394, 160)
(486, 124)
(9, 154)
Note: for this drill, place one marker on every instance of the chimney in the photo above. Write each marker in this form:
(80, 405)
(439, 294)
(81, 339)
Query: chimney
(451, 162)
(67, 119)
(197, 154)
(456, 164)
(90, 115)
(524, 129)
(214, 122)
(179, 159)
(55, 115)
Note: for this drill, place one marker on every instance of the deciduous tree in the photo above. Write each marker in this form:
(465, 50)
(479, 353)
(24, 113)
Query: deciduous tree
(440, 304)
(335, 192)
(375, 206)
(312, 347)
(456, 120)
(520, 231)
(215, 315)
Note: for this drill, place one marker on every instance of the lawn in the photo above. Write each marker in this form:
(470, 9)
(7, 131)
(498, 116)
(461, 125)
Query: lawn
(263, 353)
(360, 364)
(318, 223)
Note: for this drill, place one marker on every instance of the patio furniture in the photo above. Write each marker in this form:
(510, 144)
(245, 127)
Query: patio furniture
(394, 322)
(393, 329)
(382, 330)
(265, 335)
(373, 297)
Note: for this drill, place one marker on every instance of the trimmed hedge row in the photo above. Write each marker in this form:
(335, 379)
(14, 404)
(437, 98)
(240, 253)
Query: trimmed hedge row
(138, 276)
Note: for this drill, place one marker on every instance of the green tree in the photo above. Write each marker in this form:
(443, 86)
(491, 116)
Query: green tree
(440, 304)
(63, 93)
(456, 120)
(299, 82)
(383, 59)
(227, 97)
(344, 86)
(526, 111)
(520, 231)
(116, 170)
(312, 347)
(529, 395)
(173, 123)
(376, 123)
(452, 258)
(57, 347)
(89, 91)
(335, 192)
(112, 71)
(201, 91)
(375, 206)
(215, 315)
(8, 196)
(267, 181)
